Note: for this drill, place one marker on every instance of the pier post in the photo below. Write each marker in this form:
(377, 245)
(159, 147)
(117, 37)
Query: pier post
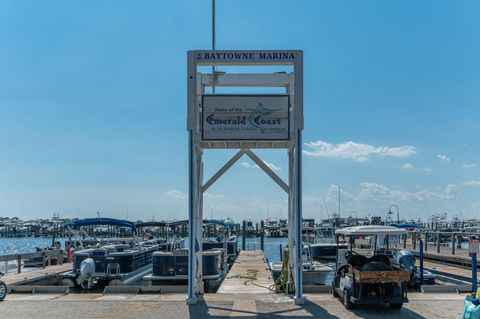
(414, 240)
(421, 261)
(192, 227)
(405, 241)
(19, 264)
(299, 300)
(60, 258)
(244, 234)
(474, 272)
(438, 242)
(281, 253)
(262, 235)
(426, 241)
(453, 243)
(53, 234)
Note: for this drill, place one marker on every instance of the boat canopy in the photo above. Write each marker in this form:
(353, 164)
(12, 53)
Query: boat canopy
(370, 230)
(101, 221)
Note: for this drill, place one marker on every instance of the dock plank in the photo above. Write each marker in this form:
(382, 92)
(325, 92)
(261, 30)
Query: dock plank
(35, 275)
(249, 274)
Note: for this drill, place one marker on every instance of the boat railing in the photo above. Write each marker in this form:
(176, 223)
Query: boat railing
(46, 255)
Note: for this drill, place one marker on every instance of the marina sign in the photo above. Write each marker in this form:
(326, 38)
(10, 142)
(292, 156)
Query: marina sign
(473, 246)
(246, 56)
(245, 117)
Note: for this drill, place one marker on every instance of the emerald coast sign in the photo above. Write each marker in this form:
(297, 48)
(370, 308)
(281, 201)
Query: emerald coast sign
(245, 117)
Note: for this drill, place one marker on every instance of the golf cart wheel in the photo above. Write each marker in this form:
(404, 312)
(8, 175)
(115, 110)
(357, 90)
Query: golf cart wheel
(3, 291)
(396, 305)
(346, 300)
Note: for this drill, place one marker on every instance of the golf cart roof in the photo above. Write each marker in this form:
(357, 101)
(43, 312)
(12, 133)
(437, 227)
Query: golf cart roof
(370, 230)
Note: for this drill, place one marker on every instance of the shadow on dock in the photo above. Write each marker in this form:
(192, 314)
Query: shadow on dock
(262, 309)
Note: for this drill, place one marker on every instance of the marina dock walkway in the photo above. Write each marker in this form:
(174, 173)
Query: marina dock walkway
(28, 277)
(448, 270)
(461, 256)
(123, 306)
(248, 275)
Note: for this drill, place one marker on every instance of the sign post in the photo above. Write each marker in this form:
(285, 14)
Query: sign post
(244, 122)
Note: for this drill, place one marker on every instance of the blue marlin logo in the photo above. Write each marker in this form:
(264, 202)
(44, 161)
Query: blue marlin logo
(257, 113)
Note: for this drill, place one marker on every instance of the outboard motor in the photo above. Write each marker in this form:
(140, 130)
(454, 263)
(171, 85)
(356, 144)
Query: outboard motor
(406, 260)
(87, 269)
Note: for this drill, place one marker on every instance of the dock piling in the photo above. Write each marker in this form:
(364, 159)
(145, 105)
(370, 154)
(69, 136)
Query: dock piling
(421, 261)
(438, 243)
(19, 263)
(474, 272)
(244, 234)
(453, 243)
(426, 241)
(262, 235)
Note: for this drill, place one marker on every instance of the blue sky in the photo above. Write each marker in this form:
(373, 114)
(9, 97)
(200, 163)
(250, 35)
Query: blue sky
(93, 107)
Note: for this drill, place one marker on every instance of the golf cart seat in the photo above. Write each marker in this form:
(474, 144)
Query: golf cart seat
(381, 258)
(357, 261)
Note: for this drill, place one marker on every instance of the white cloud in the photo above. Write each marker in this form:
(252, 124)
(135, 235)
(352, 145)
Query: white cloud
(370, 191)
(249, 165)
(469, 165)
(213, 196)
(356, 151)
(374, 198)
(379, 192)
(428, 169)
(175, 194)
(451, 188)
(443, 157)
(248, 208)
(471, 183)
(272, 166)
(408, 166)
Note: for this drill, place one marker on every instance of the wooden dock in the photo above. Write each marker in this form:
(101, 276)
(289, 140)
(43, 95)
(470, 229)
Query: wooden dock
(29, 277)
(249, 275)
(459, 272)
(443, 253)
(145, 306)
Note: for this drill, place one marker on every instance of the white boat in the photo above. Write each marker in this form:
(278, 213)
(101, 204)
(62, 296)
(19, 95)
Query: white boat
(313, 272)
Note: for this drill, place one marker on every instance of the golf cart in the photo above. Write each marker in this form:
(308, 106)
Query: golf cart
(366, 276)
